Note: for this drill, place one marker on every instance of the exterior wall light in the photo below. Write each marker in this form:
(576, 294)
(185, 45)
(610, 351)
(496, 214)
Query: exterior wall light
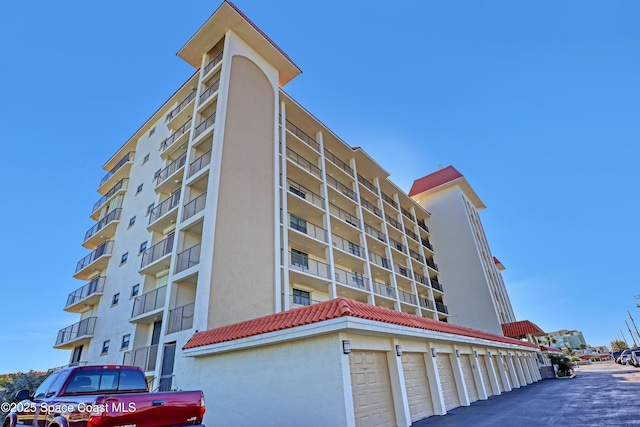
(346, 346)
(475, 354)
(458, 353)
(399, 350)
(433, 352)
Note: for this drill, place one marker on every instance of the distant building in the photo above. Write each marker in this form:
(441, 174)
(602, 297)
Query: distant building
(564, 337)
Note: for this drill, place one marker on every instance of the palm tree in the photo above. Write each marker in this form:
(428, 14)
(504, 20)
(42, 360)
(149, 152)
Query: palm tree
(568, 350)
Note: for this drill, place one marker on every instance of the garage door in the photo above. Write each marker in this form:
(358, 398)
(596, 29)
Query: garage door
(508, 371)
(497, 366)
(469, 380)
(417, 385)
(371, 389)
(447, 382)
(482, 364)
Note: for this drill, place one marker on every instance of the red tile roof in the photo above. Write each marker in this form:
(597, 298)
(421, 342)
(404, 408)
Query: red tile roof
(434, 180)
(521, 328)
(334, 309)
(551, 349)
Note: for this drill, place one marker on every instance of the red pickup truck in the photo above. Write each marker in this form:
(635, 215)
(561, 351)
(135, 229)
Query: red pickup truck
(104, 396)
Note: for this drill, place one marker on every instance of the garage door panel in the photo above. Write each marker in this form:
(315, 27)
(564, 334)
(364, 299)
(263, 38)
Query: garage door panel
(482, 364)
(447, 382)
(469, 380)
(371, 389)
(417, 386)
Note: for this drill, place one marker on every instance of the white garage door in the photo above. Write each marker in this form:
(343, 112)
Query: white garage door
(497, 366)
(482, 364)
(417, 385)
(508, 371)
(371, 389)
(469, 380)
(448, 383)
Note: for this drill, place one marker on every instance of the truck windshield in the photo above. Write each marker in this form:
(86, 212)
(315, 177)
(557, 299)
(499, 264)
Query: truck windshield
(104, 380)
(42, 390)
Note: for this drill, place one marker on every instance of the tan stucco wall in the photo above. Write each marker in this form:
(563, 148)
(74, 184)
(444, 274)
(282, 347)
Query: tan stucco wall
(243, 256)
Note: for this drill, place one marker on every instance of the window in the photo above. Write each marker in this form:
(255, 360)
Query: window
(152, 131)
(99, 380)
(42, 390)
(143, 247)
(125, 341)
(297, 192)
(357, 279)
(146, 159)
(299, 259)
(139, 188)
(135, 290)
(150, 208)
(301, 297)
(298, 223)
(105, 347)
(124, 258)
(354, 249)
(115, 299)
(132, 221)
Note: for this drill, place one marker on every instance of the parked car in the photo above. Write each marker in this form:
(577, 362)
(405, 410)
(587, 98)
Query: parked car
(624, 357)
(634, 359)
(104, 396)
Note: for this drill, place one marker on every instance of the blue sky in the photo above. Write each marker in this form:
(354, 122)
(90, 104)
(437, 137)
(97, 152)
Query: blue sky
(535, 102)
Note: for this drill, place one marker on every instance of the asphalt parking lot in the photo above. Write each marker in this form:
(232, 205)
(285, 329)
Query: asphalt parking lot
(600, 395)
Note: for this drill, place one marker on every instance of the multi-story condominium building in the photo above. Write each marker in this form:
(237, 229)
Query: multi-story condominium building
(234, 212)
(563, 337)
(476, 292)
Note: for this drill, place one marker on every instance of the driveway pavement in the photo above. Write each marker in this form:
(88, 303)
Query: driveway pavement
(592, 398)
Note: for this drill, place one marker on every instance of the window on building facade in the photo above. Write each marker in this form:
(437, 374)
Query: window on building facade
(143, 247)
(105, 347)
(135, 290)
(115, 299)
(299, 259)
(124, 258)
(301, 297)
(125, 341)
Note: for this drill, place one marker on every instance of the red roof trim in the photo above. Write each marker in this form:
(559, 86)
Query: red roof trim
(334, 309)
(520, 328)
(434, 180)
(551, 349)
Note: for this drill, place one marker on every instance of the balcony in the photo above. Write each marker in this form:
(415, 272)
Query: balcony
(348, 246)
(194, 206)
(397, 245)
(188, 258)
(421, 279)
(302, 301)
(426, 303)
(156, 257)
(375, 233)
(403, 271)
(407, 297)
(144, 358)
(198, 164)
(426, 244)
(411, 234)
(163, 183)
(393, 222)
(437, 285)
(407, 213)
(308, 228)
(384, 290)
(441, 308)
(339, 163)
(415, 255)
(368, 184)
(147, 308)
(120, 187)
(303, 263)
(371, 207)
(181, 108)
(432, 264)
(389, 200)
(205, 124)
(422, 225)
(175, 138)
(86, 296)
(304, 193)
(75, 334)
(180, 318)
(341, 188)
(95, 261)
(118, 172)
(211, 65)
(295, 130)
(304, 163)
(165, 214)
(204, 96)
(344, 215)
(351, 279)
(106, 226)
(380, 260)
